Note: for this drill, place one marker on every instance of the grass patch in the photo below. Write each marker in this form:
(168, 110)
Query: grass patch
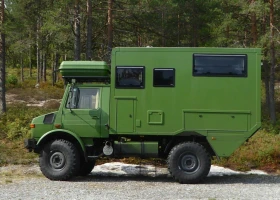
(7, 181)
(14, 124)
(42, 93)
(262, 151)
(13, 152)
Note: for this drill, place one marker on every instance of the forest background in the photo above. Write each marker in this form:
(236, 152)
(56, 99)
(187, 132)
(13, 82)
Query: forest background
(39, 34)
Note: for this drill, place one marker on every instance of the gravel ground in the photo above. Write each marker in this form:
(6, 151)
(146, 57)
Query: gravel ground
(21, 182)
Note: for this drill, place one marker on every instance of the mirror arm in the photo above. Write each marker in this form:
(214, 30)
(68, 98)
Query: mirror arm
(70, 101)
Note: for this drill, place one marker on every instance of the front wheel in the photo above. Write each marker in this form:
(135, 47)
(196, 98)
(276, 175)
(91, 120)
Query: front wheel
(59, 160)
(189, 162)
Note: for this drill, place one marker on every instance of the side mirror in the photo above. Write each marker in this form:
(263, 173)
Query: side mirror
(74, 97)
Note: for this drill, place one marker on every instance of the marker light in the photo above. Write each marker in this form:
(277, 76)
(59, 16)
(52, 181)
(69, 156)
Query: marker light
(32, 125)
(57, 125)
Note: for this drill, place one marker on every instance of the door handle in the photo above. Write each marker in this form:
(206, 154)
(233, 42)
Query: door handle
(95, 117)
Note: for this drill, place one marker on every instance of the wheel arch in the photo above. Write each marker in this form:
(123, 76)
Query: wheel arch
(190, 138)
(62, 134)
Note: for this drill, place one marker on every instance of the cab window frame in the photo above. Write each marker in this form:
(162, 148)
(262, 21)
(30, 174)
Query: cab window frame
(97, 102)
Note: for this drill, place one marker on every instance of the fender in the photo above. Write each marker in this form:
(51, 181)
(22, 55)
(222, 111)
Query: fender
(62, 131)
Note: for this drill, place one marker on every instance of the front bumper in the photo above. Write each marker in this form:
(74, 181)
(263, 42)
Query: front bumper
(30, 144)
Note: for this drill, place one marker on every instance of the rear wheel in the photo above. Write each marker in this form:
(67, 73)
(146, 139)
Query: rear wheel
(59, 160)
(189, 162)
(86, 167)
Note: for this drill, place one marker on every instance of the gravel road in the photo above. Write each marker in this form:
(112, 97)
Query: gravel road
(27, 183)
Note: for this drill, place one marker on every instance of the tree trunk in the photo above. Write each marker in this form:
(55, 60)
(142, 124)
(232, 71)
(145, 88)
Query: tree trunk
(38, 51)
(162, 28)
(110, 30)
(44, 67)
(254, 26)
(77, 32)
(55, 66)
(21, 69)
(89, 30)
(53, 69)
(57, 56)
(41, 65)
(272, 111)
(30, 61)
(178, 31)
(266, 73)
(227, 32)
(2, 62)
(139, 39)
(194, 30)
(265, 67)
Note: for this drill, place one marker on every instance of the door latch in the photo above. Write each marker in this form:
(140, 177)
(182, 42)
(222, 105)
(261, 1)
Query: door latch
(107, 126)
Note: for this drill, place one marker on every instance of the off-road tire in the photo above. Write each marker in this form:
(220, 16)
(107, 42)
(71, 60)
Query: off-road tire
(59, 160)
(188, 162)
(86, 167)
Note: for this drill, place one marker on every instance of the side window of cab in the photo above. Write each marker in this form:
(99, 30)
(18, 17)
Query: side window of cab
(83, 98)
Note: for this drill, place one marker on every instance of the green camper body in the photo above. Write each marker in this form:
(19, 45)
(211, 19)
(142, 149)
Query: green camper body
(154, 101)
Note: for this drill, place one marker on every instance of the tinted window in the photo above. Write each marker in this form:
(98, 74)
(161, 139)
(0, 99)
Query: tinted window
(130, 77)
(219, 65)
(164, 77)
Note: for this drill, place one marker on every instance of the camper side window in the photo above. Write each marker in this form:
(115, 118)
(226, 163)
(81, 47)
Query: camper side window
(164, 77)
(130, 77)
(86, 98)
(220, 65)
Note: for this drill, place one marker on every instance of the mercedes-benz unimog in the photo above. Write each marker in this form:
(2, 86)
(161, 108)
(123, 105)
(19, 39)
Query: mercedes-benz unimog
(186, 105)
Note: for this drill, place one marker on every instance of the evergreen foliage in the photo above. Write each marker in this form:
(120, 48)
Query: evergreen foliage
(40, 33)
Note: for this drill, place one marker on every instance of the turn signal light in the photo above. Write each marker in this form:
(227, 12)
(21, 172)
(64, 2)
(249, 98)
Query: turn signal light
(57, 125)
(32, 125)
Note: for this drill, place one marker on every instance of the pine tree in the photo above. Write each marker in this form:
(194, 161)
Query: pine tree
(2, 60)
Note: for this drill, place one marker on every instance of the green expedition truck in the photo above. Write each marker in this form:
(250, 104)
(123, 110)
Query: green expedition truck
(185, 105)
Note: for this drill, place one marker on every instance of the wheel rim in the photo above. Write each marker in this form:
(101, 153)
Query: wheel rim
(189, 163)
(57, 160)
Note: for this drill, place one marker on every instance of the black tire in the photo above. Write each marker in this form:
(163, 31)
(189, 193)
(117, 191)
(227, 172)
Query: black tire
(86, 167)
(189, 162)
(59, 160)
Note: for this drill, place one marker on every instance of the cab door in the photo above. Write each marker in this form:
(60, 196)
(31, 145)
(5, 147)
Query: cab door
(82, 112)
